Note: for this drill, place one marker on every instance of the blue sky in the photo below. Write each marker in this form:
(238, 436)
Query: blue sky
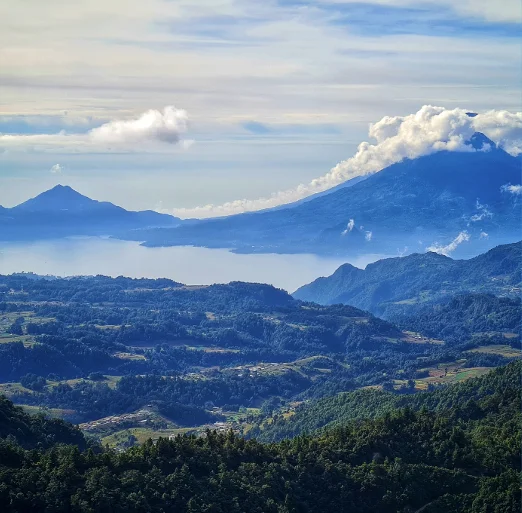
(276, 92)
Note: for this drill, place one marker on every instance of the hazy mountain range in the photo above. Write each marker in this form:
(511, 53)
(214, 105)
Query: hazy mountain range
(407, 283)
(414, 203)
(61, 212)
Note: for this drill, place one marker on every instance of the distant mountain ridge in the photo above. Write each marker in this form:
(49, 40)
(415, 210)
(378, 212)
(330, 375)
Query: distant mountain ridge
(394, 283)
(62, 211)
(412, 203)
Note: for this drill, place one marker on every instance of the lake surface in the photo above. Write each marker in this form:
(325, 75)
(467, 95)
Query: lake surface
(194, 266)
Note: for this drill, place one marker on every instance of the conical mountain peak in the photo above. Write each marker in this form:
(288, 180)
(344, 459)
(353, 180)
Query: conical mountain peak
(60, 197)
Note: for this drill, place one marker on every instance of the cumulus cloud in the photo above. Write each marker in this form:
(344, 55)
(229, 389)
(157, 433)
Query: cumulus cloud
(56, 169)
(368, 236)
(150, 129)
(502, 127)
(512, 189)
(349, 227)
(452, 246)
(483, 235)
(427, 131)
(153, 125)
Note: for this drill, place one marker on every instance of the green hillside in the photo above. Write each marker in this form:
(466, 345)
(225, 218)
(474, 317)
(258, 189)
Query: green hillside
(461, 457)
(402, 284)
(474, 395)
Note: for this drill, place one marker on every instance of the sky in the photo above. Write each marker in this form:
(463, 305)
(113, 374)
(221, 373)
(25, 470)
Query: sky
(177, 104)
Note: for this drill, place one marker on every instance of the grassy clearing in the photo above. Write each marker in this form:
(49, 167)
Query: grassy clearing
(7, 338)
(213, 349)
(455, 376)
(421, 298)
(142, 435)
(57, 413)
(239, 417)
(502, 350)
(129, 356)
(10, 389)
(111, 381)
(310, 368)
(412, 337)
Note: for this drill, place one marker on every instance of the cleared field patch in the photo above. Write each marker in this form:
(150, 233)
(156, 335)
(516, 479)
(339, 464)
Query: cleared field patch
(454, 376)
(411, 337)
(502, 350)
(142, 435)
(129, 356)
(57, 413)
(7, 338)
(311, 368)
(421, 298)
(213, 349)
(108, 380)
(11, 389)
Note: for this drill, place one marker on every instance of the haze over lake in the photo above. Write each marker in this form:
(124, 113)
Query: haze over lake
(191, 265)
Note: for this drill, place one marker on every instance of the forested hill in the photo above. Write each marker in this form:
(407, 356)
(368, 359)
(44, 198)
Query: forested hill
(464, 458)
(93, 347)
(36, 430)
(466, 315)
(497, 393)
(404, 283)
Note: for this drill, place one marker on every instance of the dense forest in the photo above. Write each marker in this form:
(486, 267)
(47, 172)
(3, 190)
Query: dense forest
(465, 400)
(464, 316)
(458, 453)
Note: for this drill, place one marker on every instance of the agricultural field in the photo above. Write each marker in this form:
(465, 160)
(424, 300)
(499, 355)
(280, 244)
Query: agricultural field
(447, 374)
(502, 350)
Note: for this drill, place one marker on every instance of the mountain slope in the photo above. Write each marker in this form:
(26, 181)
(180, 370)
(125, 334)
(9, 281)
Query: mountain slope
(400, 282)
(467, 315)
(431, 198)
(504, 383)
(61, 212)
(62, 198)
(35, 430)
(463, 458)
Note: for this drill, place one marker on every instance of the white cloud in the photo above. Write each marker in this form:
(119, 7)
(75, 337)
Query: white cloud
(502, 127)
(166, 127)
(484, 235)
(512, 189)
(452, 246)
(56, 169)
(368, 236)
(483, 213)
(349, 227)
(427, 131)
(150, 131)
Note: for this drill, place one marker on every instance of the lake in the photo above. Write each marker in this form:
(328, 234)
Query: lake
(190, 265)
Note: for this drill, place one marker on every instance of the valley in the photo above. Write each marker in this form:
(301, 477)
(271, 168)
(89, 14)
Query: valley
(128, 359)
